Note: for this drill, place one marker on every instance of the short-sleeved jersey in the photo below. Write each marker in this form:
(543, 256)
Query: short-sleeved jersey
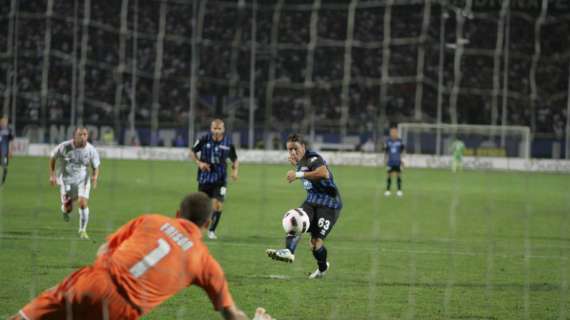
(5, 137)
(215, 153)
(457, 148)
(74, 161)
(394, 150)
(323, 192)
(153, 257)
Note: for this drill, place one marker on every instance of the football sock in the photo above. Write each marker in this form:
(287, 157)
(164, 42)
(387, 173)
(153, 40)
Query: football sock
(321, 257)
(83, 218)
(399, 183)
(291, 242)
(388, 183)
(4, 175)
(216, 216)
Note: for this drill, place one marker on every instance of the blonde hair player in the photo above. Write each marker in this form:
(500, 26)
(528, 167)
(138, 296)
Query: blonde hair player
(75, 156)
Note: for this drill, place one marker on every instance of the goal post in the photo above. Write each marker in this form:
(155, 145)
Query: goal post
(479, 140)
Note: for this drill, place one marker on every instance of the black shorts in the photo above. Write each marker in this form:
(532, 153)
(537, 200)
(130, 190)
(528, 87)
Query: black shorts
(322, 219)
(391, 169)
(214, 191)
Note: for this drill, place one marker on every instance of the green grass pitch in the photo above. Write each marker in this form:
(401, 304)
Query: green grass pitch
(472, 245)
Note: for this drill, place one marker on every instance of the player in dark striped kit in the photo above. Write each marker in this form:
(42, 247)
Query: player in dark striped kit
(322, 205)
(394, 149)
(215, 149)
(6, 138)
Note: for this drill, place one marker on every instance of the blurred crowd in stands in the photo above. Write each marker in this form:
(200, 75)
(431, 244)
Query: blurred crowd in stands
(295, 68)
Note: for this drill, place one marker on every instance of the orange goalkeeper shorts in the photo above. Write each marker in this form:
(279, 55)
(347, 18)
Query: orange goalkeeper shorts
(88, 293)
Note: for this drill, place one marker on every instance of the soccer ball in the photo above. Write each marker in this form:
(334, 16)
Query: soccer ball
(296, 221)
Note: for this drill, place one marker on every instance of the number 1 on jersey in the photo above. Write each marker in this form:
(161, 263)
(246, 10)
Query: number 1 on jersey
(151, 259)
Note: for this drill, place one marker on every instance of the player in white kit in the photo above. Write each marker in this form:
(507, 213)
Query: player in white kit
(75, 156)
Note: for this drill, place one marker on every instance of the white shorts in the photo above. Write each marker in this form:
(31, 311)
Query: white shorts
(74, 190)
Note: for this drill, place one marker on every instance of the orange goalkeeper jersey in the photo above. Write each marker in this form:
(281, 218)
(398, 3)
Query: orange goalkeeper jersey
(153, 257)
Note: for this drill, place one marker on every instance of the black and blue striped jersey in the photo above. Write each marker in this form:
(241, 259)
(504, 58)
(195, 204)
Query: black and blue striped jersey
(394, 150)
(5, 137)
(322, 192)
(216, 154)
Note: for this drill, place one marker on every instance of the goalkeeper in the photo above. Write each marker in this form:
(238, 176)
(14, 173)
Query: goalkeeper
(457, 149)
(142, 264)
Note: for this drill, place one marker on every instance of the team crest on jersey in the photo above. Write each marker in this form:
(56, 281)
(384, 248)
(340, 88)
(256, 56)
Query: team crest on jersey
(208, 145)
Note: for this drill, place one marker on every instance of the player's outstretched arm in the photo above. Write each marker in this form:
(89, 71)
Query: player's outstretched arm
(52, 177)
(235, 163)
(235, 170)
(95, 177)
(197, 147)
(233, 313)
(402, 155)
(104, 248)
(203, 166)
(10, 149)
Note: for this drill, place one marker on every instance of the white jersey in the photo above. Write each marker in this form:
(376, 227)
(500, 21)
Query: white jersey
(74, 161)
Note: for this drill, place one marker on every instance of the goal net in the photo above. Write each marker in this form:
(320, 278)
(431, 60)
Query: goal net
(156, 72)
(479, 140)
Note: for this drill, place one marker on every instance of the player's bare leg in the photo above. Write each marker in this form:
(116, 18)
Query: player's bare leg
(217, 206)
(320, 254)
(83, 218)
(66, 207)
